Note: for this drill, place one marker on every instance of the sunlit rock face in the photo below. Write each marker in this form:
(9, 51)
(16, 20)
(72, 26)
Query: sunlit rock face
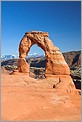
(55, 64)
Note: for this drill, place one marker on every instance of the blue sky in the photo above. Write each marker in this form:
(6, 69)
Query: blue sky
(62, 20)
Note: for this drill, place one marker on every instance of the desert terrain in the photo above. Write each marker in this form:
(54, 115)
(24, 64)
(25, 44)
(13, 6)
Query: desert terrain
(26, 98)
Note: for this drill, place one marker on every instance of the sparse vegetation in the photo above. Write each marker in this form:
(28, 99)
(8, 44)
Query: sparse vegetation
(10, 68)
(39, 72)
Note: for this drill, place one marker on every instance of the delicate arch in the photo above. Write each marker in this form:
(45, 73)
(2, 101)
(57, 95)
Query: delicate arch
(55, 64)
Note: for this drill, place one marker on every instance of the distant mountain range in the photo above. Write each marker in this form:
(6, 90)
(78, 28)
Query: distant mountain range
(7, 57)
(35, 55)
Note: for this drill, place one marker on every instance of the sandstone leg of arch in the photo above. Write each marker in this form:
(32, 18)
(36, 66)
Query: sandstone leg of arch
(56, 64)
(24, 48)
(23, 66)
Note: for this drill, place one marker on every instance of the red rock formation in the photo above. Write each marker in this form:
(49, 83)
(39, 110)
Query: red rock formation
(23, 66)
(55, 65)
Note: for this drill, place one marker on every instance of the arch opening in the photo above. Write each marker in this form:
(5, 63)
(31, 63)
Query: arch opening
(37, 62)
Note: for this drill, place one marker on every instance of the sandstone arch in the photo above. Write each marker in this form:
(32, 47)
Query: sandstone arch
(55, 64)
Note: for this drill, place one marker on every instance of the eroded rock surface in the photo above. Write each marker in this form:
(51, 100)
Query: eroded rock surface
(55, 64)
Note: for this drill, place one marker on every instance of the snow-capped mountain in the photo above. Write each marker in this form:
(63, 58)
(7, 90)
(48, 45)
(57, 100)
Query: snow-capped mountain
(35, 55)
(7, 57)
